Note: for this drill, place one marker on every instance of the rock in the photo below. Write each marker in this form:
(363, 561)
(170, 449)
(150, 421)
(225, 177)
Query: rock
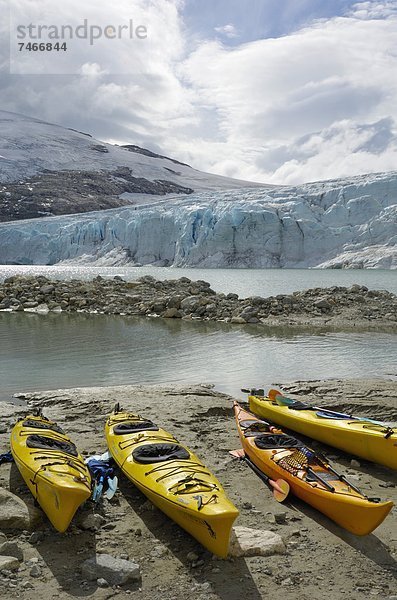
(91, 521)
(15, 514)
(354, 463)
(190, 304)
(37, 536)
(35, 571)
(238, 320)
(114, 570)
(47, 289)
(323, 303)
(27, 585)
(11, 549)
(9, 563)
(174, 302)
(42, 308)
(254, 542)
(102, 583)
(280, 517)
(30, 304)
(172, 313)
(3, 538)
(192, 556)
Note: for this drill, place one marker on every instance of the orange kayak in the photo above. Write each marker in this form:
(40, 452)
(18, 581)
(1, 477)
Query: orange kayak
(311, 478)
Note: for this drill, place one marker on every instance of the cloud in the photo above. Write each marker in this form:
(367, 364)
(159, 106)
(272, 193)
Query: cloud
(320, 102)
(228, 31)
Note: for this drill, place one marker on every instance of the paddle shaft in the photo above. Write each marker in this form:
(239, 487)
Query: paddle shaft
(319, 478)
(256, 470)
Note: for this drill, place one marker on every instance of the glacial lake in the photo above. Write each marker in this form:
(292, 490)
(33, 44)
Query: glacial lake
(51, 351)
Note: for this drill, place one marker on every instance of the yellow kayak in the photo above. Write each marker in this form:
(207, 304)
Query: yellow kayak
(173, 478)
(310, 477)
(51, 467)
(367, 439)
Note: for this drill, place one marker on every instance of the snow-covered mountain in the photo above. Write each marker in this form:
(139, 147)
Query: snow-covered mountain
(46, 169)
(179, 216)
(346, 223)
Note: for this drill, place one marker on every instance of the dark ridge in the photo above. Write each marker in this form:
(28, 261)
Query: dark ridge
(145, 152)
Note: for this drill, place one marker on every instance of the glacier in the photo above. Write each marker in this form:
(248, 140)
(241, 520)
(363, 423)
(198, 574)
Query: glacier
(348, 223)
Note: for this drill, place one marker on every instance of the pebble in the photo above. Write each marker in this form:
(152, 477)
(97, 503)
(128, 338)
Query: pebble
(35, 571)
(27, 585)
(102, 583)
(354, 463)
(36, 537)
(280, 517)
(192, 556)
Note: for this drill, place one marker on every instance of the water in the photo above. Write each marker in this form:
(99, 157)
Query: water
(40, 352)
(244, 282)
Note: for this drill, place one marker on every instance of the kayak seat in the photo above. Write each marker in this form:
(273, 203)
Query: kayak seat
(269, 442)
(153, 453)
(134, 427)
(298, 405)
(47, 443)
(31, 423)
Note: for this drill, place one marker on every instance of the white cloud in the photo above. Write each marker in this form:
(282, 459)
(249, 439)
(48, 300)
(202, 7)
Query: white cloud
(318, 103)
(229, 30)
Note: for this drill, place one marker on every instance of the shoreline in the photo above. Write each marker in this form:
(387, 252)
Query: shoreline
(334, 308)
(321, 558)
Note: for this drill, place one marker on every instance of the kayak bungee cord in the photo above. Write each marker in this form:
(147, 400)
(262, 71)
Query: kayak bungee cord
(188, 466)
(141, 437)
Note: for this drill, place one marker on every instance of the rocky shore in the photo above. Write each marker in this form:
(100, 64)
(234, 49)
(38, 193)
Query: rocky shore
(135, 543)
(356, 307)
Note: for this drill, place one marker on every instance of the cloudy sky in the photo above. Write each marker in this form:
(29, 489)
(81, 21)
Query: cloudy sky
(279, 91)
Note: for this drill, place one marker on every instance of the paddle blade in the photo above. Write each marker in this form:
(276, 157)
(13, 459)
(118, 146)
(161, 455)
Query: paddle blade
(239, 453)
(280, 489)
(112, 487)
(97, 492)
(273, 393)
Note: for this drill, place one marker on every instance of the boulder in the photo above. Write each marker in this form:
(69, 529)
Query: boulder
(115, 571)
(91, 521)
(323, 303)
(15, 513)
(11, 549)
(190, 304)
(9, 563)
(245, 541)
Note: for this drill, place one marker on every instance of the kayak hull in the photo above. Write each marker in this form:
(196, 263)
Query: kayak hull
(354, 437)
(344, 506)
(184, 490)
(60, 483)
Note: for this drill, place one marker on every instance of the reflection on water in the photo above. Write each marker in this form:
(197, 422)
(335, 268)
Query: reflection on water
(56, 351)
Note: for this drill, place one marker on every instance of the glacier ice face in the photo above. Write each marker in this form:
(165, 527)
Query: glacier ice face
(351, 222)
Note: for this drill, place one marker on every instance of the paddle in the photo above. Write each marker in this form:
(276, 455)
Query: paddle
(97, 491)
(280, 487)
(112, 487)
(325, 413)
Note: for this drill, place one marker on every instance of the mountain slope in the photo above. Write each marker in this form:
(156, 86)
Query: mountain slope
(46, 169)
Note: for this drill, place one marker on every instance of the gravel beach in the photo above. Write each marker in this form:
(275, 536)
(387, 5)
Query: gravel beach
(320, 558)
